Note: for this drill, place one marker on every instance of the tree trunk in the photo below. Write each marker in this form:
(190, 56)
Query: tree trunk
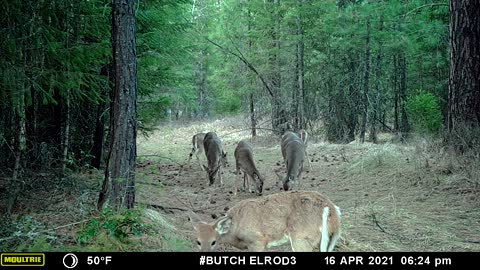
(119, 183)
(201, 84)
(366, 85)
(377, 91)
(252, 116)
(396, 97)
(200, 13)
(299, 122)
(352, 115)
(65, 132)
(99, 135)
(20, 147)
(464, 81)
(404, 125)
(278, 111)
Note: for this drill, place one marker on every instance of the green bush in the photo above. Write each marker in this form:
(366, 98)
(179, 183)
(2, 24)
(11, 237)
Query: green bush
(120, 226)
(424, 111)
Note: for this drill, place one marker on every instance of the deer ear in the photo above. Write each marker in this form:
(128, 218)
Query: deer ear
(194, 218)
(223, 225)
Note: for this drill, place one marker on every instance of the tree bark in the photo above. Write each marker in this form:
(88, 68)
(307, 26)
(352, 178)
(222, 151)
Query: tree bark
(396, 94)
(65, 131)
(119, 183)
(299, 122)
(252, 116)
(464, 80)
(404, 124)
(376, 105)
(278, 111)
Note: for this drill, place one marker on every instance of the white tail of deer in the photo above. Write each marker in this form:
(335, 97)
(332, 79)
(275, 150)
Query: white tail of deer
(244, 163)
(304, 137)
(307, 220)
(216, 157)
(293, 152)
(197, 149)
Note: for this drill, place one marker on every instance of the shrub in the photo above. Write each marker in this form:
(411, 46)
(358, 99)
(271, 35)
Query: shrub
(424, 112)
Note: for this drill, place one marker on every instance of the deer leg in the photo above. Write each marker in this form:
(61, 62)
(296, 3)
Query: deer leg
(190, 156)
(301, 245)
(308, 159)
(220, 176)
(236, 181)
(250, 180)
(198, 152)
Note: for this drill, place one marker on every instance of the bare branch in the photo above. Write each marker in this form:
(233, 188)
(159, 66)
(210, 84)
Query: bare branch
(246, 62)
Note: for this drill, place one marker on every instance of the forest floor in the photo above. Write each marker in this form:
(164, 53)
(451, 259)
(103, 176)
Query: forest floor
(394, 197)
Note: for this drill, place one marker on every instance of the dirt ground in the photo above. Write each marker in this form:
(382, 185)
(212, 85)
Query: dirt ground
(393, 197)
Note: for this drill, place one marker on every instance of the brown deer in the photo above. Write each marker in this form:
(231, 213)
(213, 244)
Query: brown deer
(293, 152)
(305, 219)
(197, 149)
(216, 157)
(244, 162)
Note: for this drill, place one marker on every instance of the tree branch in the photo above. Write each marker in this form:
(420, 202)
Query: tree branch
(424, 6)
(246, 62)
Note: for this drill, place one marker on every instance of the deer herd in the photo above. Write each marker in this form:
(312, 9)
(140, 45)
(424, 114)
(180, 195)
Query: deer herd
(307, 220)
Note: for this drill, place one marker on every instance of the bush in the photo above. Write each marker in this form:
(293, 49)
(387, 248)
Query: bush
(424, 111)
(120, 226)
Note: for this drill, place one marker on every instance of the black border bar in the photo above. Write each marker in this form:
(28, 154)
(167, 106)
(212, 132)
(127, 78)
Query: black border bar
(254, 260)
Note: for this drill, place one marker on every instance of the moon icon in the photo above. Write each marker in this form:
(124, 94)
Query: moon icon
(70, 263)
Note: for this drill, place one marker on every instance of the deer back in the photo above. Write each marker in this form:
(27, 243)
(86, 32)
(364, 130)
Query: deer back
(214, 153)
(293, 151)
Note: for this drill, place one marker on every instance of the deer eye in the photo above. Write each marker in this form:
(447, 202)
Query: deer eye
(198, 243)
(214, 242)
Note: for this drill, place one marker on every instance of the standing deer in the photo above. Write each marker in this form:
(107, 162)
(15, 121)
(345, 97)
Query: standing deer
(293, 152)
(305, 219)
(197, 142)
(244, 162)
(216, 157)
(304, 137)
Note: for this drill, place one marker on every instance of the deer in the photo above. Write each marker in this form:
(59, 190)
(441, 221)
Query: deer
(307, 220)
(302, 133)
(245, 163)
(293, 152)
(197, 142)
(216, 157)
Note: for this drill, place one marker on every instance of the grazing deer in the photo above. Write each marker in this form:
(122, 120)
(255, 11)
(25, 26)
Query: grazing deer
(285, 127)
(304, 137)
(244, 162)
(305, 219)
(216, 157)
(293, 152)
(197, 141)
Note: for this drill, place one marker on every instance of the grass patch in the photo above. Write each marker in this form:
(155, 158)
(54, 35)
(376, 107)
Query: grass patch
(381, 156)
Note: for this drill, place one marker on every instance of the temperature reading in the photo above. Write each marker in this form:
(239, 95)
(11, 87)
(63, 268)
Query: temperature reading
(98, 259)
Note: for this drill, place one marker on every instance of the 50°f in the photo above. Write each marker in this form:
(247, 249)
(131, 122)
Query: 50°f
(98, 259)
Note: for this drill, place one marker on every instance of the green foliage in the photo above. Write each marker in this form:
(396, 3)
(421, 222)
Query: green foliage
(26, 235)
(120, 226)
(424, 111)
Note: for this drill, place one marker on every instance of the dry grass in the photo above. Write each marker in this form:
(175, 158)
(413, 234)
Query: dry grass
(393, 197)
